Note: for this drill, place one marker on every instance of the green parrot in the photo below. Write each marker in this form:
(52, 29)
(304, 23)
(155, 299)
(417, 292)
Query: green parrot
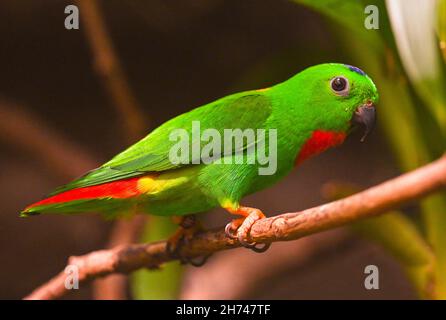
(289, 122)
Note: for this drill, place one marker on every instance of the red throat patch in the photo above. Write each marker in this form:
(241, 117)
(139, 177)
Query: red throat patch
(319, 142)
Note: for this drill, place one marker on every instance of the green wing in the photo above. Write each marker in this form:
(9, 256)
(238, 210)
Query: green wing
(151, 154)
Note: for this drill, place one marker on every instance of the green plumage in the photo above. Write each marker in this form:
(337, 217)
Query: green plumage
(295, 108)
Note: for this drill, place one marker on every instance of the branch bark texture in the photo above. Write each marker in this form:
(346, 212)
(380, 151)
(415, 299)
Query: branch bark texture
(284, 227)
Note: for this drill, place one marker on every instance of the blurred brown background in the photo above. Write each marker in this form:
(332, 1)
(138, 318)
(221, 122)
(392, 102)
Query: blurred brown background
(177, 55)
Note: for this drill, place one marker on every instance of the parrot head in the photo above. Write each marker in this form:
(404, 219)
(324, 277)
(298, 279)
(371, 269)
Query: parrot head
(338, 97)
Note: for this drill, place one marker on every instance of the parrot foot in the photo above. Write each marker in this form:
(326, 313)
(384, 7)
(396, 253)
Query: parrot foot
(239, 228)
(189, 226)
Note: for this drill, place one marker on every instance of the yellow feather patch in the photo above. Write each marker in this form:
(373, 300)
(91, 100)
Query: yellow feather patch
(147, 184)
(155, 183)
(229, 204)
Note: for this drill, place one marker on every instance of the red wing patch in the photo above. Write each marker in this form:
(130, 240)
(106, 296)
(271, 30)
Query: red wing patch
(121, 189)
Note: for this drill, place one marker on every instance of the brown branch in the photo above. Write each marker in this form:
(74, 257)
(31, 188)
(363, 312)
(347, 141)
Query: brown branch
(284, 227)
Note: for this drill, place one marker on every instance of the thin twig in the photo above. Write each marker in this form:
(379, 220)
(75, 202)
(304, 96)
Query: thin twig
(289, 226)
(109, 68)
(24, 130)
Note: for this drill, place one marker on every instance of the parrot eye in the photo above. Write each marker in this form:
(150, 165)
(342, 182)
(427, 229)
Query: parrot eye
(340, 86)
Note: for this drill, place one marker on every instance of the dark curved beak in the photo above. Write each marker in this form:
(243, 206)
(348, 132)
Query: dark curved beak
(365, 116)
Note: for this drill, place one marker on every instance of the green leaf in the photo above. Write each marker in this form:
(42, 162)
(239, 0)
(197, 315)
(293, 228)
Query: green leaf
(434, 217)
(441, 27)
(349, 14)
(414, 23)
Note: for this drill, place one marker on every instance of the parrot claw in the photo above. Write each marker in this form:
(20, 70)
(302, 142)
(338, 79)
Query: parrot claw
(246, 243)
(260, 247)
(230, 232)
(239, 228)
(254, 246)
(188, 228)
